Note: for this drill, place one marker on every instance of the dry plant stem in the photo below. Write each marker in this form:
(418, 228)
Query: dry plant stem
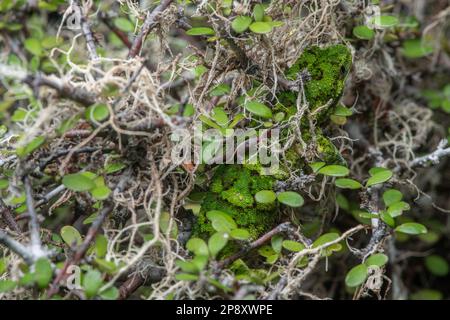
(82, 249)
(87, 32)
(35, 239)
(65, 90)
(9, 218)
(149, 24)
(16, 247)
(433, 157)
(119, 33)
(130, 286)
(255, 244)
(61, 153)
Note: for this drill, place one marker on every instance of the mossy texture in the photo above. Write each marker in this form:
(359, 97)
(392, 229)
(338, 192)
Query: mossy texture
(232, 191)
(328, 67)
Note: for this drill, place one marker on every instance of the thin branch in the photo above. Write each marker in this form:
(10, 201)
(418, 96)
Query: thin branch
(33, 222)
(87, 32)
(255, 244)
(148, 25)
(65, 90)
(9, 218)
(432, 158)
(16, 247)
(119, 33)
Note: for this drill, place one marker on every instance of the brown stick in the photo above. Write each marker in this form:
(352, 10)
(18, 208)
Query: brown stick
(65, 90)
(82, 249)
(87, 32)
(285, 226)
(149, 24)
(8, 217)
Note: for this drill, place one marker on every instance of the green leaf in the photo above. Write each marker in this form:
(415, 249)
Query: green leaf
(344, 183)
(427, 294)
(258, 12)
(266, 251)
(186, 277)
(315, 166)
(277, 243)
(124, 24)
(188, 110)
(164, 224)
(217, 242)
(70, 235)
(241, 23)
(3, 266)
(92, 282)
(437, 265)
(197, 246)
(43, 272)
(259, 109)
(101, 192)
(220, 116)
(265, 196)
(97, 112)
(220, 90)
(385, 21)
(411, 228)
(112, 293)
(334, 170)
(386, 218)
(240, 234)
(356, 276)
(187, 266)
(200, 31)
(416, 48)
(378, 259)
(293, 245)
(363, 32)
(106, 266)
(7, 285)
(378, 175)
(4, 183)
(221, 221)
(396, 209)
(33, 46)
(326, 238)
(261, 27)
(114, 167)
(290, 198)
(78, 182)
(342, 111)
(391, 196)
(101, 246)
(30, 147)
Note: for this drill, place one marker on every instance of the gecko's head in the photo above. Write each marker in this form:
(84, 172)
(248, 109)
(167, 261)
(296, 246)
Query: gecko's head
(327, 68)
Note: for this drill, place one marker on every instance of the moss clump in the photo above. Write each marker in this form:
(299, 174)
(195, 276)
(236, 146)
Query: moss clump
(232, 191)
(328, 67)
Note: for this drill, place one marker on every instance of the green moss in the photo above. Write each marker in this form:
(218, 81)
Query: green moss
(328, 67)
(236, 197)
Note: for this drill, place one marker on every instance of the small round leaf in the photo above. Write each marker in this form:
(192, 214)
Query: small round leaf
(290, 198)
(259, 109)
(265, 196)
(411, 228)
(356, 276)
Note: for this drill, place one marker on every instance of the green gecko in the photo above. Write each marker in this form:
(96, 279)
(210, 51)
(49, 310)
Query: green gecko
(233, 187)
